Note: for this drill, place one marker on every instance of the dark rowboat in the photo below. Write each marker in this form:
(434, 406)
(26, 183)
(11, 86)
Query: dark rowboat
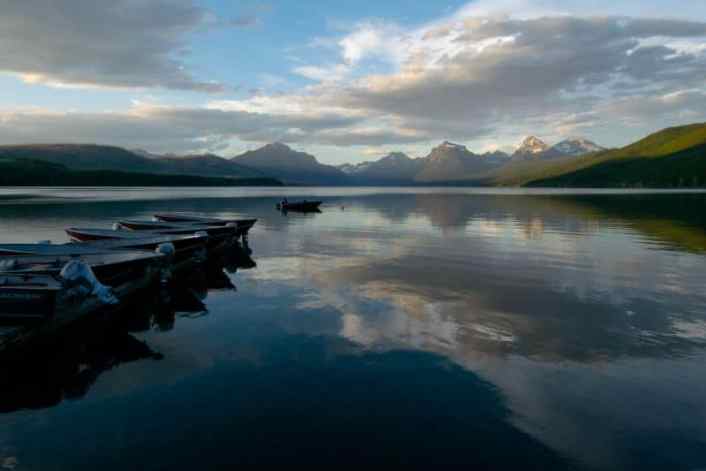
(245, 224)
(29, 296)
(178, 228)
(89, 234)
(188, 249)
(110, 267)
(136, 238)
(301, 206)
(50, 250)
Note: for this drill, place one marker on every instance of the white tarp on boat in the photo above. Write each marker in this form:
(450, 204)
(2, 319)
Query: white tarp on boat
(78, 276)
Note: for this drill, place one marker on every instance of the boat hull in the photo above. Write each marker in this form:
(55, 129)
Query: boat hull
(243, 224)
(28, 298)
(300, 206)
(189, 250)
(180, 229)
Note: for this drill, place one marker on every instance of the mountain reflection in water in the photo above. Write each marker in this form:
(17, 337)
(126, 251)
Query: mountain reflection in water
(491, 329)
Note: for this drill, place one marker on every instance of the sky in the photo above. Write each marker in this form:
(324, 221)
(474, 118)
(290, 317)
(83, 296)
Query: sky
(347, 81)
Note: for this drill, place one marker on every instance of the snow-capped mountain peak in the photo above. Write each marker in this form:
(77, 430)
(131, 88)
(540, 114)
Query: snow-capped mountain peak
(532, 145)
(576, 146)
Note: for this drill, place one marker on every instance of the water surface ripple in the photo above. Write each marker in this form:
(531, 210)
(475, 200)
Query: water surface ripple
(489, 328)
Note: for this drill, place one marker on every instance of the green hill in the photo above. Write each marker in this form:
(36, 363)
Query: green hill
(29, 172)
(520, 173)
(671, 158)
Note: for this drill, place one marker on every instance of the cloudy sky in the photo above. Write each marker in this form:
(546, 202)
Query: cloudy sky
(347, 80)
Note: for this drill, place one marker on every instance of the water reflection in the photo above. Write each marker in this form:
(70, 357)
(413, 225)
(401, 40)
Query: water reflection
(64, 365)
(491, 330)
(535, 294)
(540, 277)
(49, 375)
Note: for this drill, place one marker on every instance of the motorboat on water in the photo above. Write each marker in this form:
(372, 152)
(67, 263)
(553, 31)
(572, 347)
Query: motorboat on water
(300, 206)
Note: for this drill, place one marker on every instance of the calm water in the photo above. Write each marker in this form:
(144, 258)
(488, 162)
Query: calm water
(505, 330)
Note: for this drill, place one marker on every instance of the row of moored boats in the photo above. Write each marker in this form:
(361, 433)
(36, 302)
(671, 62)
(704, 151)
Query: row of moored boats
(102, 267)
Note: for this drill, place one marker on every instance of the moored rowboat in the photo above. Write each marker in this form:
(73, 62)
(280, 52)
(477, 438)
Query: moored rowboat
(245, 224)
(188, 249)
(86, 234)
(50, 250)
(110, 267)
(178, 228)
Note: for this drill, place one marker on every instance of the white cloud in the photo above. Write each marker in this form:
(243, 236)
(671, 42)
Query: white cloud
(328, 73)
(177, 129)
(532, 9)
(373, 39)
(157, 128)
(511, 68)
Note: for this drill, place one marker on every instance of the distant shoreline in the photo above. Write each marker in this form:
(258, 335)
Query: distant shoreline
(30, 172)
(507, 190)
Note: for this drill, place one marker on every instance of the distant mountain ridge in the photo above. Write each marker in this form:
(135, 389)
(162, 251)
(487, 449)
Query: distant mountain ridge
(394, 168)
(447, 161)
(451, 162)
(497, 157)
(30, 172)
(282, 162)
(673, 157)
(207, 165)
(98, 157)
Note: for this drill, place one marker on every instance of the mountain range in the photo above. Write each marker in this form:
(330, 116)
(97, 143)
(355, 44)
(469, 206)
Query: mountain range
(97, 157)
(449, 162)
(533, 148)
(394, 168)
(671, 157)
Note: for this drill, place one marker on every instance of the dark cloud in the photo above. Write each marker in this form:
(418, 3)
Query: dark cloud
(159, 129)
(119, 43)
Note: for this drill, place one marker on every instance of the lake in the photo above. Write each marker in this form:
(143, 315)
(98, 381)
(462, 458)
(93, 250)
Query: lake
(504, 329)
